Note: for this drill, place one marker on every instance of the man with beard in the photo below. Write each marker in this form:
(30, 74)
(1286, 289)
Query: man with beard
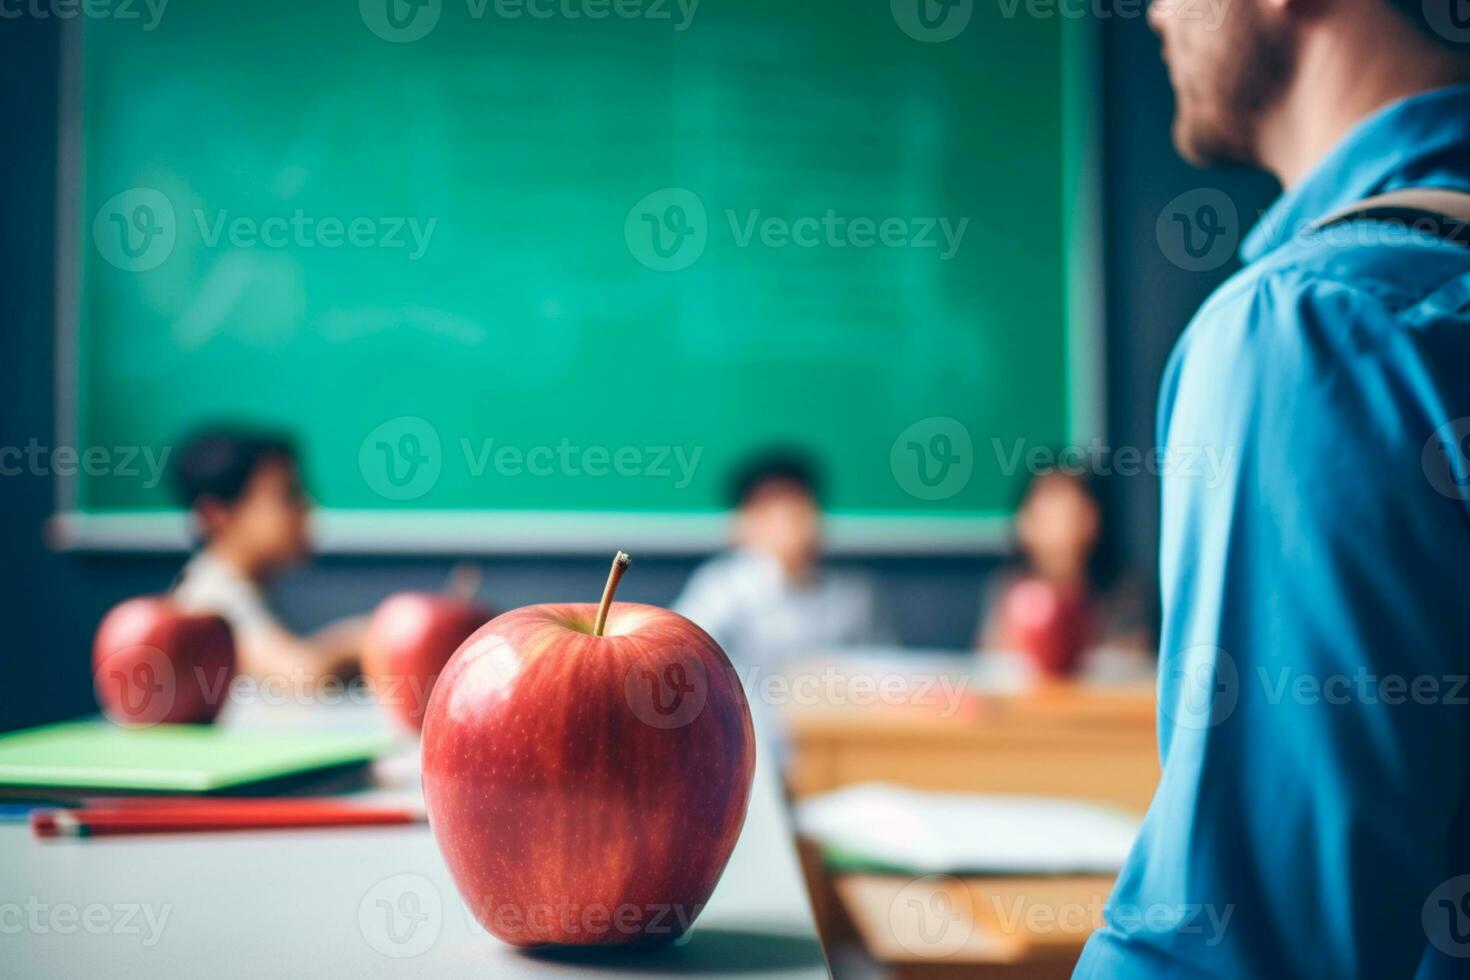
(1313, 819)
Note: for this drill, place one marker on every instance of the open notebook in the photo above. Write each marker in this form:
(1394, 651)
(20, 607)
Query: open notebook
(883, 827)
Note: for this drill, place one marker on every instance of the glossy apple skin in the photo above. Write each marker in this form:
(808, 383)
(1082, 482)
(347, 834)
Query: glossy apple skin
(153, 663)
(574, 801)
(409, 639)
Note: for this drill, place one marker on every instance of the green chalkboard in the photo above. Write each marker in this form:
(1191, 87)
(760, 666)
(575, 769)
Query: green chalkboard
(570, 260)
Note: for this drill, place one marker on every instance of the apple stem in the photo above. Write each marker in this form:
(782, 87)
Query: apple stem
(620, 564)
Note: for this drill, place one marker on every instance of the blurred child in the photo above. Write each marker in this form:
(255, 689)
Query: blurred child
(244, 490)
(1053, 607)
(770, 599)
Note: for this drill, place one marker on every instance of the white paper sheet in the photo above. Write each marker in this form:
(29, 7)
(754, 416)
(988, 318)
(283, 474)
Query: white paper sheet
(930, 833)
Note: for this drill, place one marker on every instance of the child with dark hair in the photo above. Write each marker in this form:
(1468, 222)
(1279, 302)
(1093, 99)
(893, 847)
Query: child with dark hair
(769, 598)
(245, 494)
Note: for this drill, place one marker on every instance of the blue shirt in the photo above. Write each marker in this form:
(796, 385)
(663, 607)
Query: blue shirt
(1312, 818)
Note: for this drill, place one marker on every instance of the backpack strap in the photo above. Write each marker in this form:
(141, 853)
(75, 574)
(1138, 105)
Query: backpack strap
(1442, 213)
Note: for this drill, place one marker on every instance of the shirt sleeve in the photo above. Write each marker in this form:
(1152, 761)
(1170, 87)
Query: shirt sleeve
(992, 596)
(238, 600)
(709, 600)
(1314, 648)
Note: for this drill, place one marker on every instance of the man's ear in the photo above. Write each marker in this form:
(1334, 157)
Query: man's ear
(211, 514)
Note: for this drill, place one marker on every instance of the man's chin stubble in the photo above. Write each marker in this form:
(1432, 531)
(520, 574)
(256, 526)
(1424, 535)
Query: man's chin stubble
(1208, 150)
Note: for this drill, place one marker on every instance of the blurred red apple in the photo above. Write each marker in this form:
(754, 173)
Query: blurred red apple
(586, 770)
(153, 663)
(1050, 624)
(409, 639)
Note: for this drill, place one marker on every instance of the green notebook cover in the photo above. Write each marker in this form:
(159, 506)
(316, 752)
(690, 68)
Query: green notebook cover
(171, 758)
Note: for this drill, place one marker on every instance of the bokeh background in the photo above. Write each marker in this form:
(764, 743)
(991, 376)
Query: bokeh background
(51, 601)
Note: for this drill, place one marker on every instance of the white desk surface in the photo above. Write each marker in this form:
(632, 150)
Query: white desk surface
(351, 902)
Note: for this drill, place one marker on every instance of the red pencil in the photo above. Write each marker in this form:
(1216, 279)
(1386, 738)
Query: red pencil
(176, 801)
(179, 816)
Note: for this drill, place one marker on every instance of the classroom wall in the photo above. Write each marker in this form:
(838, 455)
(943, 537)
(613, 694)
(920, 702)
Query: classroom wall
(49, 604)
(1151, 294)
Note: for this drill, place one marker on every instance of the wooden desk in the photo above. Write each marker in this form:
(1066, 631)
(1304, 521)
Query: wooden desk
(364, 902)
(1090, 744)
(941, 926)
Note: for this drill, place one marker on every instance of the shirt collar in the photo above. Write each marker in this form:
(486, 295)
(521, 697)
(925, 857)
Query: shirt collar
(1400, 145)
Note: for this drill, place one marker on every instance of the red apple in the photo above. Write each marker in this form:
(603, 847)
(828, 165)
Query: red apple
(409, 639)
(586, 770)
(153, 663)
(1050, 624)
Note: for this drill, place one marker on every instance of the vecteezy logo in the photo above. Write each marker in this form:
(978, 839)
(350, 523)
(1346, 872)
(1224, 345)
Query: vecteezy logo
(136, 689)
(139, 681)
(402, 458)
(933, 458)
(1450, 19)
(670, 694)
(1199, 229)
(667, 230)
(1446, 459)
(932, 916)
(1202, 687)
(401, 916)
(135, 230)
(400, 21)
(932, 21)
(1446, 917)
